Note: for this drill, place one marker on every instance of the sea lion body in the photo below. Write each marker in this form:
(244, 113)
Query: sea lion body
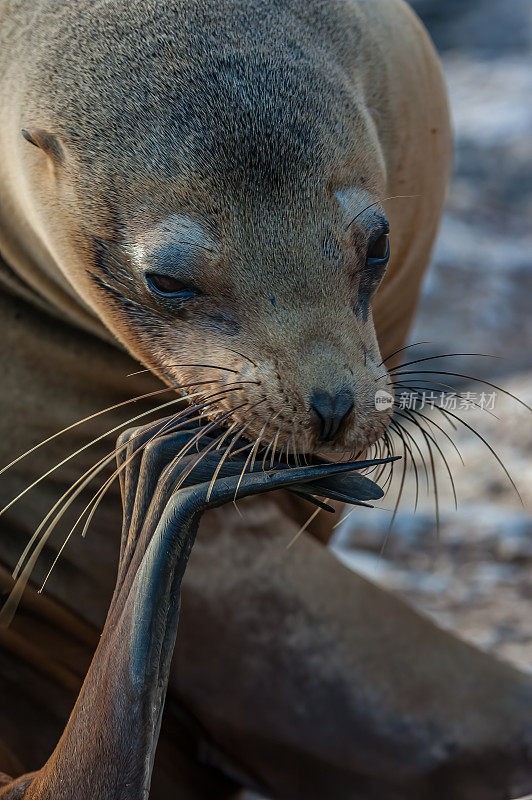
(336, 106)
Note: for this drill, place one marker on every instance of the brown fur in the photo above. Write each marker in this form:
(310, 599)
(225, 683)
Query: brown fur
(234, 123)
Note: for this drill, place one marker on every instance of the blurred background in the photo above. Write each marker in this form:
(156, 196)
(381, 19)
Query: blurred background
(475, 578)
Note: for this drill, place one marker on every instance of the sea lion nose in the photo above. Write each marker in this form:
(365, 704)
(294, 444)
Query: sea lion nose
(329, 411)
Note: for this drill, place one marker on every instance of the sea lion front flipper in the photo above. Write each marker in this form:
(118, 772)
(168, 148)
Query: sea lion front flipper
(108, 747)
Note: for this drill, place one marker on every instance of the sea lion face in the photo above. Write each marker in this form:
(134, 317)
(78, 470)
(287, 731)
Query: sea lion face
(241, 262)
(282, 301)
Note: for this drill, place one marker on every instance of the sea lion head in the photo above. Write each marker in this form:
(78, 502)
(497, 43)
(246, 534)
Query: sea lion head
(223, 209)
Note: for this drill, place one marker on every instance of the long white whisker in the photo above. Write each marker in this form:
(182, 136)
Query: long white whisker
(95, 500)
(95, 469)
(304, 527)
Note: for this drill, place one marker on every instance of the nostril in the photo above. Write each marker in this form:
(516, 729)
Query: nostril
(329, 411)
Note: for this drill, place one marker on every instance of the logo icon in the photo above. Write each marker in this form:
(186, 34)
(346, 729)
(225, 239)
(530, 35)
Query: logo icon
(383, 400)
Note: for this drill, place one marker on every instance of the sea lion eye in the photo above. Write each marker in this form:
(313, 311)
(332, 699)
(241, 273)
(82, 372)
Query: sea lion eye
(379, 250)
(169, 287)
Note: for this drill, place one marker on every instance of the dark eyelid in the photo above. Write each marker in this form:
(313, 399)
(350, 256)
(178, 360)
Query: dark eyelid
(176, 276)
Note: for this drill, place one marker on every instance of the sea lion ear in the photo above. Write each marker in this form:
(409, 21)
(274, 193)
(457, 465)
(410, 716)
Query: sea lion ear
(47, 142)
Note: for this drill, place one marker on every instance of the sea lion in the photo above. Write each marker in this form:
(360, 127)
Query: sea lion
(202, 186)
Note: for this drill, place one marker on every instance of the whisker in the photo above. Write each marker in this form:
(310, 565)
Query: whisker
(435, 481)
(204, 453)
(169, 426)
(378, 202)
(26, 550)
(389, 479)
(9, 608)
(355, 508)
(85, 447)
(94, 470)
(380, 470)
(185, 449)
(228, 433)
(304, 527)
(95, 500)
(443, 355)
(442, 430)
(99, 495)
(374, 452)
(266, 453)
(389, 451)
(492, 451)
(224, 458)
(441, 452)
(92, 416)
(449, 413)
(395, 352)
(242, 449)
(104, 436)
(238, 353)
(427, 437)
(272, 459)
(417, 447)
(342, 519)
(296, 456)
(287, 458)
(396, 506)
(246, 462)
(252, 453)
(261, 434)
(240, 514)
(217, 421)
(391, 465)
(176, 366)
(397, 429)
(435, 424)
